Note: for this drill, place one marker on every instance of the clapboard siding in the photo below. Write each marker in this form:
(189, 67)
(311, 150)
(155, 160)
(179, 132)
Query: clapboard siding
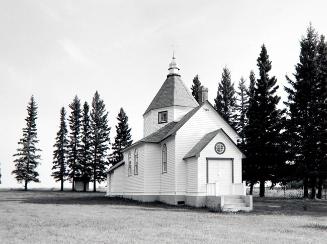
(180, 111)
(203, 121)
(192, 175)
(152, 168)
(117, 181)
(167, 180)
(151, 120)
(135, 183)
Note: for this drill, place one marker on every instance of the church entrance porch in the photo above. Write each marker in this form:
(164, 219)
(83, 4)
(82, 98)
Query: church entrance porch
(220, 178)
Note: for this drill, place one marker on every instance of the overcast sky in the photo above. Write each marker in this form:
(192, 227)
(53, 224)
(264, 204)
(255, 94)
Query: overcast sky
(58, 49)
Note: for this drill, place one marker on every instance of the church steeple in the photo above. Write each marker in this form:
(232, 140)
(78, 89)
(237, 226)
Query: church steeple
(173, 69)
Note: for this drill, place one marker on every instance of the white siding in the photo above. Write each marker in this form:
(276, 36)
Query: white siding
(152, 169)
(135, 183)
(151, 120)
(167, 180)
(192, 175)
(203, 121)
(150, 123)
(116, 181)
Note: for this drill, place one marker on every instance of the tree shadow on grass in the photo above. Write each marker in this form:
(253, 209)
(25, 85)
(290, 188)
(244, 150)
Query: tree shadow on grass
(293, 207)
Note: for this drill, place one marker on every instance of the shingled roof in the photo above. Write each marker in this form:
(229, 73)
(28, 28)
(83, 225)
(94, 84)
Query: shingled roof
(173, 92)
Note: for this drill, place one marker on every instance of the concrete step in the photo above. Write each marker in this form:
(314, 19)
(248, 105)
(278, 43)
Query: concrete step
(236, 200)
(236, 209)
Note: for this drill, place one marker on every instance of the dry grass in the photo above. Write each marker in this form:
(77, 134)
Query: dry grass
(52, 217)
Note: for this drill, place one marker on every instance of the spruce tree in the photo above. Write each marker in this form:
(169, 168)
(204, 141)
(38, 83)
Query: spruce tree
(60, 153)
(249, 165)
(86, 154)
(196, 87)
(321, 129)
(27, 158)
(265, 125)
(99, 140)
(123, 138)
(242, 101)
(74, 146)
(302, 112)
(225, 102)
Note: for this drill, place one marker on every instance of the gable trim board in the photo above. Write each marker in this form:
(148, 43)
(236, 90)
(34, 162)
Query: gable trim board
(206, 139)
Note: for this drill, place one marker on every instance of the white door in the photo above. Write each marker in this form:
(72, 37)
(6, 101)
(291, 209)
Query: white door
(220, 171)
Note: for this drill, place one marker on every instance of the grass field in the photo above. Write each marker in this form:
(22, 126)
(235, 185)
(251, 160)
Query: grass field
(53, 217)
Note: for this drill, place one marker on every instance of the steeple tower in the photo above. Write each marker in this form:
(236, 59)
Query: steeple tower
(172, 102)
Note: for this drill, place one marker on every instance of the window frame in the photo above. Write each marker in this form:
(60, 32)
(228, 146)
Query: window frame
(164, 157)
(159, 116)
(136, 162)
(129, 163)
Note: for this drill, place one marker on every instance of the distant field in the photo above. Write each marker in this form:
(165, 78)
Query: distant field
(53, 217)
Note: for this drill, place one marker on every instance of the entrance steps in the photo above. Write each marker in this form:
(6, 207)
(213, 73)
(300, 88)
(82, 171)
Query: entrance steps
(230, 203)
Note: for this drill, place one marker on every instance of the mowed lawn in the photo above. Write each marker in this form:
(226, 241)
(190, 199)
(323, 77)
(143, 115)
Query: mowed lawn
(53, 217)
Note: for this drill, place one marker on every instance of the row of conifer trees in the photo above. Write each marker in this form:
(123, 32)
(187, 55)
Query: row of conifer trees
(281, 145)
(81, 152)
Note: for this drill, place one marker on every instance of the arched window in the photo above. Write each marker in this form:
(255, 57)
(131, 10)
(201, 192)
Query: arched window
(129, 163)
(164, 158)
(136, 162)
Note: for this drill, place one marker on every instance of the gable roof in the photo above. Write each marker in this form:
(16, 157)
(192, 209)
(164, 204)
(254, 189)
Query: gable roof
(205, 140)
(173, 92)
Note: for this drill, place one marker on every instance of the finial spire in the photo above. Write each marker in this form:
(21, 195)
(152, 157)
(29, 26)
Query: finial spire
(173, 69)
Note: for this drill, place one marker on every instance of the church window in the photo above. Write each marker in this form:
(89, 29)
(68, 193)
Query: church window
(129, 163)
(164, 158)
(136, 162)
(163, 117)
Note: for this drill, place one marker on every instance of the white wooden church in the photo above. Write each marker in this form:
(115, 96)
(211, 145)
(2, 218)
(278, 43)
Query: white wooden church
(188, 154)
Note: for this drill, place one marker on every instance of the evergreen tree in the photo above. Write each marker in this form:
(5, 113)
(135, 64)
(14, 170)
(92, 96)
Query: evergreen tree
(265, 124)
(252, 85)
(99, 139)
(249, 166)
(321, 129)
(27, 158)
(302, 111)
(242, 101)
(196, 87)
(226, 99)
(122, 139)
(60, 153)
(86, 154)
(74, 146)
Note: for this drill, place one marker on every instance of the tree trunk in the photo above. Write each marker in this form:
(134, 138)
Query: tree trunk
(25, 187)
(251, 188)
(305, 188)
(73, 185)
(313, 188)
(262, 188)
(95, 180)
(320, 182)
(84, 187)
(62, 185)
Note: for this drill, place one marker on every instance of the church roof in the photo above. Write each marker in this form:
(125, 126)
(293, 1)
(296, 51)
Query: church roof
(205, 140)
(173, 92)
